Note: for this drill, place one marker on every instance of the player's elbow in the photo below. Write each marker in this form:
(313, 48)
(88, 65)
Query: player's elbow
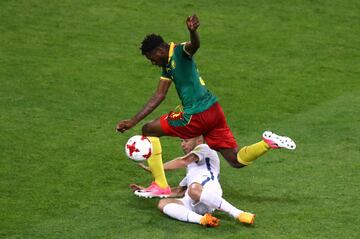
(194, 49)
(197, 46)
(160, 97)
(184, 163)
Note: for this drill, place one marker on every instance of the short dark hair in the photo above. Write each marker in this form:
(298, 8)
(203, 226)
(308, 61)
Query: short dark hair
(151, 42)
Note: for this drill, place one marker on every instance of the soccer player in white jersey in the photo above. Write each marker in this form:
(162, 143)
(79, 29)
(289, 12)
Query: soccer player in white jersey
(203, 193)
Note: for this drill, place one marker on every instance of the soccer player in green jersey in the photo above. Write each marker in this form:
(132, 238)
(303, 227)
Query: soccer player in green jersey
(201, 114)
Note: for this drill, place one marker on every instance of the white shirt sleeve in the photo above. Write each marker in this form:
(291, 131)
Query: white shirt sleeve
(200, 151)
(183, 182)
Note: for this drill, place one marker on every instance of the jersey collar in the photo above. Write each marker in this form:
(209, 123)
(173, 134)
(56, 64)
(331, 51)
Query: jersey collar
(171, 51)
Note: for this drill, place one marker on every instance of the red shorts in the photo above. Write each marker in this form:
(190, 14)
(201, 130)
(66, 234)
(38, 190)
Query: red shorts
(211, 124)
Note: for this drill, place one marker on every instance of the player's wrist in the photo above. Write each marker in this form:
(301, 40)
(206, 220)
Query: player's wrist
(134, 121)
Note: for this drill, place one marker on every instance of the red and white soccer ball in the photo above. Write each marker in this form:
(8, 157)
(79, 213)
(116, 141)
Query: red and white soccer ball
(138, 148)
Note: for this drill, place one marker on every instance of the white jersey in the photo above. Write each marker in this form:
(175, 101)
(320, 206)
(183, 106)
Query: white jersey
(205, 169)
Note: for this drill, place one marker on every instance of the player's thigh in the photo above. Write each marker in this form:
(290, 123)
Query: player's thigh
(153, 128)
(163, 202)
(213, 186)
(221, 137)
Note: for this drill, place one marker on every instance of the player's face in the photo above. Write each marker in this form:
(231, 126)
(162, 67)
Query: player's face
(188, 145)
(157, 57)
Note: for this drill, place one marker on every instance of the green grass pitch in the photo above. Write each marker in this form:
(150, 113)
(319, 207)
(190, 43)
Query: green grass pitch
(70, 70)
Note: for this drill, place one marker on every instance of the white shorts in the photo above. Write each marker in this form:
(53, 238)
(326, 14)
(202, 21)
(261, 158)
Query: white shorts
(199, 207)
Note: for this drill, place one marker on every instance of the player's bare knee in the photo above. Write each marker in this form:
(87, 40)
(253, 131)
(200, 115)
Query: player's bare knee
(146, 129)
(151, 129)
(162, 204)
(195, 191)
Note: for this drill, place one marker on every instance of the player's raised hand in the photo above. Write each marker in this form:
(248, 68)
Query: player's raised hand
(124, 125)
(192, 23)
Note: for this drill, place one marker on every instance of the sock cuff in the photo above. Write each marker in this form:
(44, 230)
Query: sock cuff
(156, 145)
(266, 146)
(242, 161)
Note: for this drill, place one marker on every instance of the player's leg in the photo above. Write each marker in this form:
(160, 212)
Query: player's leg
(163, 202)
(194, 191)
(237, 214)
(249, 153)
(244, 156)
(160, 187)
(153, 128)
(169, 125)
(211, 195)
(199, 193)
(176, 209)
(230, 154)
(220, 138)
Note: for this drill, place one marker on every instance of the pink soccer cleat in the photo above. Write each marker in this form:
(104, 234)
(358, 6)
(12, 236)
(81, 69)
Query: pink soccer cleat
(154, 190)
(276, 141)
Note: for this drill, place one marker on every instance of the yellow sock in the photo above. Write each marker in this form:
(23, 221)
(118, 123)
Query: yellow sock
(156, 164)
(250, 153)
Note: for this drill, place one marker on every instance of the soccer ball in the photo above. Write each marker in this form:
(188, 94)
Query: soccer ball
(138, 148)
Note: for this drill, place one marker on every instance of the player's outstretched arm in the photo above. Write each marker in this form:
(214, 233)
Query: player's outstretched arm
(180, 162)
(192, 23)
(153, 102)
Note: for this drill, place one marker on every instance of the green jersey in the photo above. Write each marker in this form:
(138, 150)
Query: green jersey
(181, 69)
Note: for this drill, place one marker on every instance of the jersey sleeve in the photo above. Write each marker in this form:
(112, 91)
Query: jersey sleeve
(165, 75)
(184, 51)
(200, 151)
(183, 182)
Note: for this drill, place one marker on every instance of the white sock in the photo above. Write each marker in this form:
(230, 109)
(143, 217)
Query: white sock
(180, 212)
(227, 207)
(214, 200)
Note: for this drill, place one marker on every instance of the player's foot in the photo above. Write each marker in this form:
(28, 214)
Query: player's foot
(276, 141)
(154, 190)
(209, 221)
(247, 218)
